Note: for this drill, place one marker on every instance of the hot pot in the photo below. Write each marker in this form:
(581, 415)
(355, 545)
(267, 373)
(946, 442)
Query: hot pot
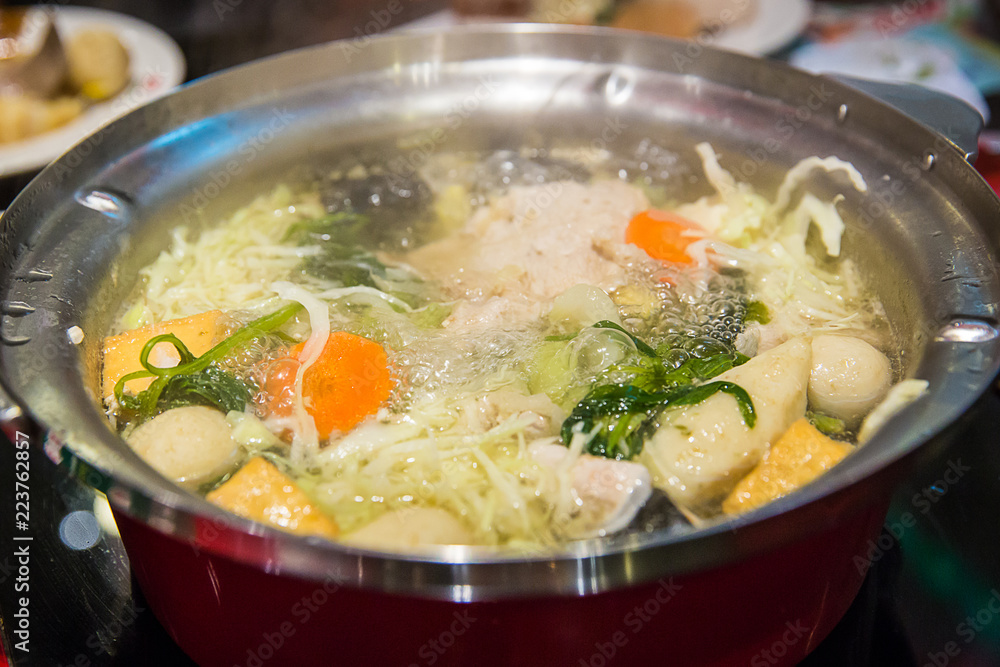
(763, 589)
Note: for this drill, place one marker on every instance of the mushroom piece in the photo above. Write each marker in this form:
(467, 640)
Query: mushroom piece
(189, 445)
(848, 378)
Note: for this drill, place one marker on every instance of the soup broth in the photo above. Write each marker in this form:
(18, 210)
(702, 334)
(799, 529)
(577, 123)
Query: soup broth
(515, 349)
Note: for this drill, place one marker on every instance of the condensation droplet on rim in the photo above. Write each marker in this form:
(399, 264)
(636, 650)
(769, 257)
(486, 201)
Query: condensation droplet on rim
(101, 201)
(16, 308)
(37, 275)
(79, 530)
(618, 87)
(929, 159)
(75, 335)
(967, 330)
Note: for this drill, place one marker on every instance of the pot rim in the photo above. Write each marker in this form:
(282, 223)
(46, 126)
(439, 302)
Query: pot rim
(464, 573)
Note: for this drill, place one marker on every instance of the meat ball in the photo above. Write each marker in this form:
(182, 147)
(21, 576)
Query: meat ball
(189, 445)
(848, 378)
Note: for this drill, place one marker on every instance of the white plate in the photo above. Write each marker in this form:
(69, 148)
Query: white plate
(896, 59)
(775, 23)
(156, 64)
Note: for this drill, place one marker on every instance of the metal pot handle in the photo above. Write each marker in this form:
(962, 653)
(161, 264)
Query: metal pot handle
(949, 116)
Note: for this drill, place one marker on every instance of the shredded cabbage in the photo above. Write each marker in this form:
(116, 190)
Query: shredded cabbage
(736, 210)
(227, 266)
(460, 431)
(801, 295)
(900, 395)
(797, 175)
(305, 438)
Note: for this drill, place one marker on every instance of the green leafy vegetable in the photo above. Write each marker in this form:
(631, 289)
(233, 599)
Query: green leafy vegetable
(640, 345)
(757, 312)
(346, 226)
(346, 265)
(189, 377)
(212, 387)
(826, 424)
(652, 373)
(344, 260)
(620, 417)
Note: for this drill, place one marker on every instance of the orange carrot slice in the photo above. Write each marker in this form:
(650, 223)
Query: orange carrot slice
(348, 382)
(662, 235)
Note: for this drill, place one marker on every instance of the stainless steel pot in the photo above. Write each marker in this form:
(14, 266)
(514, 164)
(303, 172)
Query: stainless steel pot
(925, 236)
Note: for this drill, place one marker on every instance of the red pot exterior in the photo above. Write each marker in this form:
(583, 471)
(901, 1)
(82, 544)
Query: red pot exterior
(766, 611)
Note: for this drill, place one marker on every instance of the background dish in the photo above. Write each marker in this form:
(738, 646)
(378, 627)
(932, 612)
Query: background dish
(156, 65)
(773, 25)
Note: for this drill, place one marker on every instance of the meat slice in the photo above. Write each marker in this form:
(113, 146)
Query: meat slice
(530, 245)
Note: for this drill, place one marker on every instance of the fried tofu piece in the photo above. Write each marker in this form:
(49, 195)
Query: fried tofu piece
(121, 353)
(261, 492)
(798, 457)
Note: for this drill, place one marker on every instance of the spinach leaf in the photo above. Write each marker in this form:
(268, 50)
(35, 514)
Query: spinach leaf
(346, 226)
(620, 417)
(826, 424)
(347, 265)
(342, 259)
(146, 403)
(652, 373)
(640, 345)
(757, 312)
(211, 387)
